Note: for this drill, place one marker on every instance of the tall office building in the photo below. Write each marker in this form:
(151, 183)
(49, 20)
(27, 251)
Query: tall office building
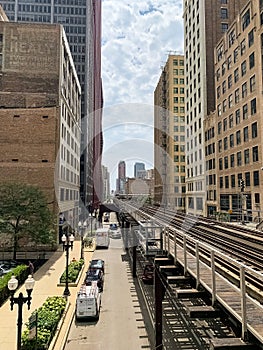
(40, 113)
(82, 23)
(204, 24)
(169, 134)
(120, 182)
(137, 168)
(235, 129)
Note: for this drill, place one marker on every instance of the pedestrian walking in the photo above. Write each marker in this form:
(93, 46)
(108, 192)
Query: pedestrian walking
(31, 268)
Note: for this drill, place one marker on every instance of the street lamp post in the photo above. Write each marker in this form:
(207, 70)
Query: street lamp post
(20, 300)
(82, 231)
(67, 243)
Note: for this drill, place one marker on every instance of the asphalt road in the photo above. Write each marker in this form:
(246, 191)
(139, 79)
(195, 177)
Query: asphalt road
(121, 325)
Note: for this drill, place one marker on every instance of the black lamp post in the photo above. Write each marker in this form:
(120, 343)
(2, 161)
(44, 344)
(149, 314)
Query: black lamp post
(67, 243)
(82, 231)
(20, 300)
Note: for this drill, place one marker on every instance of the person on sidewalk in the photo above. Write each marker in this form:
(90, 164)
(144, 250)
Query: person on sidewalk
(31, 268)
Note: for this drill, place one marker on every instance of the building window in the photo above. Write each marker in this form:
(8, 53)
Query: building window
(231, 121)
(224, 106)
(245, 112)
(224, 87)
(244, 90)
(236, 95)
(247, 179)
(235, 55)
(255, 153)
(233, 181)
(224, 14)
(239, 159)
(246, 19)
(242, 47)
(252, 83)
(236, 75)
(237, 116)
(226, 162)
(256, 178)
(238, 137)
(225, 124)
(224, 27)
(253, 105)
(254, 128)
(226, 182)
(232, 160)
(231, 140)
(257, 198)
(230, 101)
(251, 38)
(219, 128)
(223, 68)
(220, 53)
(229, 61)
(245, 134)
(231, 38)
(251, 60)
(246, 156)
(229, 81)
(243, 68)
(225, 143)
(220, 164)
(221, 183)
(220, 146)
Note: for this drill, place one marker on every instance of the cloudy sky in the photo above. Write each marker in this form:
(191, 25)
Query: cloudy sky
(137, 37)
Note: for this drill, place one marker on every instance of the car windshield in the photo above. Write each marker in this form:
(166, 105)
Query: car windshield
(113, 227)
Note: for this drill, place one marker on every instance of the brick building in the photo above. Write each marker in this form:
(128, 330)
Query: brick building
(238, 129)
(40, 113)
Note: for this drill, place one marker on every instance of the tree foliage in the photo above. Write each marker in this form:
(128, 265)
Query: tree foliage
(24, 215)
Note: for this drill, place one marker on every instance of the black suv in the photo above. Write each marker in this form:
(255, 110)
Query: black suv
(95, 276)
(96, 264)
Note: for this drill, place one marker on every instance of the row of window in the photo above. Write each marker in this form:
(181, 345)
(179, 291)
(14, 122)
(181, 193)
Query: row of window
(221, 90)
(230, 142)
(251, 179)
(236, 159)
(68, 195)
(177, 62)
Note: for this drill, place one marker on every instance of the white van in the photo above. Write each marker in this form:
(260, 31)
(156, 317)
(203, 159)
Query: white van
(88, 302)
(102, 238)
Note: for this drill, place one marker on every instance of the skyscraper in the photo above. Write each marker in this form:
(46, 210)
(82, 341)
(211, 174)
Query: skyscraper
(137, 168)
(204, 24)
(82, 23)
(120, 183)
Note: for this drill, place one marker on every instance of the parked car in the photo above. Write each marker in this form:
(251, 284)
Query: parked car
(7, 266)
(115, 231)
(95, 276)
(148, 273)
(97, 264)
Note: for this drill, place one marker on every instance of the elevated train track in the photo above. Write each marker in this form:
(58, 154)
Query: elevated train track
(237, 254)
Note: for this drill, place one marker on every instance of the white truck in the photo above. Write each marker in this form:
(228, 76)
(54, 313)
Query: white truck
(88, 302)
(102, 238)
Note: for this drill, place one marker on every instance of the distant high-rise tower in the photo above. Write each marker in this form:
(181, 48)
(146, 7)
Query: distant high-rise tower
(120, 183)
(204, 24)
(138, 167)
(82, 23)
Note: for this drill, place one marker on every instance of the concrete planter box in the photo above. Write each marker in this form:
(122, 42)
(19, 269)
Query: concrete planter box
(73, 284)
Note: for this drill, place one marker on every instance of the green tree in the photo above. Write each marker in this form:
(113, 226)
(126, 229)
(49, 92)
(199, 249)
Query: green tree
(25, 216)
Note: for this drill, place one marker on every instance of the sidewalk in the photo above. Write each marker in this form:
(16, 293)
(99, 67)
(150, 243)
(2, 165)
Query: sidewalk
(46, 279)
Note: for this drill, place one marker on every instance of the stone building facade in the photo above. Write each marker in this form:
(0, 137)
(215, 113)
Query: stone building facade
(238, 125)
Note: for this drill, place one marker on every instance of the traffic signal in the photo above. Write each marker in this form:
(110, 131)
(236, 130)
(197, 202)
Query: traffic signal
(242, 185)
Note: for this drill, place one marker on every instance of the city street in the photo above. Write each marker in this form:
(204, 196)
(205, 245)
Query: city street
(121, 324)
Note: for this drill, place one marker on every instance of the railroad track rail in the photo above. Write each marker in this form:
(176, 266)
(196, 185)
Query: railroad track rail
(239, 243)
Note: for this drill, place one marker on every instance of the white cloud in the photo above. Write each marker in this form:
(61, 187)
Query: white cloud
(137, 38)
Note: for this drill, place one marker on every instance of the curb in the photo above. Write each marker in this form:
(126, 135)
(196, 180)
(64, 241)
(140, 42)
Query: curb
(54, 340)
